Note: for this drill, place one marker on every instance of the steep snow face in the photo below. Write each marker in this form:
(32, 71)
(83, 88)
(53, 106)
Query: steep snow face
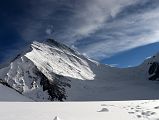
(23, 76)
(54, 57)
(43, 73)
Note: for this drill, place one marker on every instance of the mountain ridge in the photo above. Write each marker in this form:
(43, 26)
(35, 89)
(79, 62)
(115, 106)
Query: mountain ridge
(51, 71)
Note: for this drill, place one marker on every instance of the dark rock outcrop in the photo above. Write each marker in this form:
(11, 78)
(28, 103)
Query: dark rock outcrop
(154, 71)
(55, 88)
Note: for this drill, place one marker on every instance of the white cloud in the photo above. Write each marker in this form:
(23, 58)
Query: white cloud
(127, 33)
(49, 30)
(76, 20)
(92, 17)
(85, 19)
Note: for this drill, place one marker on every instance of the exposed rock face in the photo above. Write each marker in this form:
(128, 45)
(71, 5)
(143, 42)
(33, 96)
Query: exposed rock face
(23, 76)
(4, 83)
(154, 71)
(55, 88)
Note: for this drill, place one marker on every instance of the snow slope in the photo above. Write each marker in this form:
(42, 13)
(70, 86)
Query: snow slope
(125, 110)
(10, 95)
(55, 57)
(51, 71)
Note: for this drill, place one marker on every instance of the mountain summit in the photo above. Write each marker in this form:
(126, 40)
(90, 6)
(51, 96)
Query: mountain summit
(51, 71)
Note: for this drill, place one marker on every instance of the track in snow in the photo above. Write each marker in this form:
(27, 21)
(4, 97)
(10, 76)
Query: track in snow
(123, 110)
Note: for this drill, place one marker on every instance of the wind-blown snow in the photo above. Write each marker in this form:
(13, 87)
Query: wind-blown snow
(60, 61)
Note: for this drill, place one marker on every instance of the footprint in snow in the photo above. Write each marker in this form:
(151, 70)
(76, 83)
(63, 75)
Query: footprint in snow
(138, 107)
(157, 107)
(104, 110)
(142, 113)
(138, 116)
(107, 105)
(131, 112)
(103, 105)
(148, 113)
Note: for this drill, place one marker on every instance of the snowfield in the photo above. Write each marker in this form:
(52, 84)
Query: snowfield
(121, 110)
(10, 95)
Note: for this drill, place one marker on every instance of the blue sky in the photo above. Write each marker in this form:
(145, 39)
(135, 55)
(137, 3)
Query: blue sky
(132, 57)
(119, 32)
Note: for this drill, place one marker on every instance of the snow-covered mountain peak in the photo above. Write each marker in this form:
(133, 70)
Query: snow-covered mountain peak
(52, 71)
(54, 43)
(43, 72)
(51, 56)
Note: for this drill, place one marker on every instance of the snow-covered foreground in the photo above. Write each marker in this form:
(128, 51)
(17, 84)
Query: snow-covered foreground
(119, 110)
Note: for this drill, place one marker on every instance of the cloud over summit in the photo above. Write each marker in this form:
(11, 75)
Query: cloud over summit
(98, 28)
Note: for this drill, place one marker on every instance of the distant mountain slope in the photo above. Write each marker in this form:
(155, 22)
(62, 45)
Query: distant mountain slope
(51, 71)
(8, 94)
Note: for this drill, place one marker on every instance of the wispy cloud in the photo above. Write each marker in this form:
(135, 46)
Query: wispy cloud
(73, 20)
(99, 28)
(91, 17)
(123, 32)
